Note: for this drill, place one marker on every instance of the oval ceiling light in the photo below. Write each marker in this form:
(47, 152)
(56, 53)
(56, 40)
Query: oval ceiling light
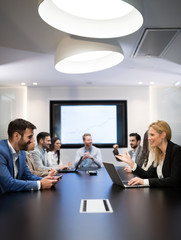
(92, 18)
(84, 56)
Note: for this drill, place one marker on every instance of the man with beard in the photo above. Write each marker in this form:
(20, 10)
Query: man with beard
(40, 153)
(14, 172)
(90, 155)
(136, 152)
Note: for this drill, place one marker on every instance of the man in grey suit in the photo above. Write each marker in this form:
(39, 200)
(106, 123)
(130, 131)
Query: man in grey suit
(40, 152)
(136, 152)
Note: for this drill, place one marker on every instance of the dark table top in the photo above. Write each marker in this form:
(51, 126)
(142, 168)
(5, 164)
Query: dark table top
(139, 214)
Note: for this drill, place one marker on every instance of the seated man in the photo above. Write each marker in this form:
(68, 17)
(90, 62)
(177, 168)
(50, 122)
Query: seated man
(40, 153)
(32, 166)
(91, 156)
(14, 172)
(136, 152)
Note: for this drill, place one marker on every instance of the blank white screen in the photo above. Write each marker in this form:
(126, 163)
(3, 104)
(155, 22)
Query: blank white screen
(100, 121)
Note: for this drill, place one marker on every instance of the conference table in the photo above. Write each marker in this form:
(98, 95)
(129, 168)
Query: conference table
(138, 213)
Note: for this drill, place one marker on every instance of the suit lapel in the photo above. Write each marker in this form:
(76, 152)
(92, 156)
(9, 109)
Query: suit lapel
(21, 164)
(10, 160)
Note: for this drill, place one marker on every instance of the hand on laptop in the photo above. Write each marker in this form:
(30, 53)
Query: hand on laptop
(65, 166)
(136, 181)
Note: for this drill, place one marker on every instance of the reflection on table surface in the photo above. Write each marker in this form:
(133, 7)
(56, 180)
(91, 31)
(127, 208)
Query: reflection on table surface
(152, 214)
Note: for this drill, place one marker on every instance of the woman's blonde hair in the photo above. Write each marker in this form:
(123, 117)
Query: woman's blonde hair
(160, 127)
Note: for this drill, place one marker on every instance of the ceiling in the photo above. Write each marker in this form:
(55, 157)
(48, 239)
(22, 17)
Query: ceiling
(28, 45)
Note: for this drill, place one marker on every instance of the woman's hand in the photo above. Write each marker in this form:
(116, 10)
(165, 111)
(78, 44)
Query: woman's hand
(128, 169)
(135, 181)
(126, 158)
(52, 172)
(65, 166)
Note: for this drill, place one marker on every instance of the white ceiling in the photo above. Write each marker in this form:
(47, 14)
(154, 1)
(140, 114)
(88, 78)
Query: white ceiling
(27, 48)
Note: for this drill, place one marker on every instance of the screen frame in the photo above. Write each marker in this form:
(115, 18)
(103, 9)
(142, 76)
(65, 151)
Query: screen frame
(121, 121)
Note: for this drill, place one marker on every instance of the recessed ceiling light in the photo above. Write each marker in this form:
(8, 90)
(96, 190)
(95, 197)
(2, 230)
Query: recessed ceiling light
(140, 83)
(75, 55)
(152, 83)
(177, 83)
(92, 18)
(23, 84)
(35, 83)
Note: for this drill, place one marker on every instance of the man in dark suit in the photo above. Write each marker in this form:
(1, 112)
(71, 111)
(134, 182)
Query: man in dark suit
(14, 172)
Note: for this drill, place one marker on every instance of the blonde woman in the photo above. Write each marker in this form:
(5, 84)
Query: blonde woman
(166, 169)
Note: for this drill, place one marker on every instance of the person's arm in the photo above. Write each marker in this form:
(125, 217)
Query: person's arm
(37, 171)
(126, 158)
(38, 160)
(27, 175)
(33, 168)
(10, 184)
(97, 157)
(137, 170)
(171, 171)
(49, 181)
(150, 173)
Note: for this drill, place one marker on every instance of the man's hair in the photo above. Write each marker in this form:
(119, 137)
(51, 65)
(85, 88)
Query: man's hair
(138, 138)
(42, 135)
(19, 125)
(85, 135)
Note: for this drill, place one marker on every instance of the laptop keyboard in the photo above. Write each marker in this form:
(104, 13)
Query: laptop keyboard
(125, 182)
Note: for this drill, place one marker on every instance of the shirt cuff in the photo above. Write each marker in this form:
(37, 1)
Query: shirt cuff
(146, 182)
(134, 167)
(39, 185)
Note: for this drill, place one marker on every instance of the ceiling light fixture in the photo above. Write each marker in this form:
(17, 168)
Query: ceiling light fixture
(92, 18)
(177, 83)
(140, 83)
(77, 55)
(152, 83)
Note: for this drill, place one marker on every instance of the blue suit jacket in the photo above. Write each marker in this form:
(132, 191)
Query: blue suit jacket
(25, 180)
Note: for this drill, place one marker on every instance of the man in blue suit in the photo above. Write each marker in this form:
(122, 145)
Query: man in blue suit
(14, 173)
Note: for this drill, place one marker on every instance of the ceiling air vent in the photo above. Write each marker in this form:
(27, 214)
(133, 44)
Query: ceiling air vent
(155, 41)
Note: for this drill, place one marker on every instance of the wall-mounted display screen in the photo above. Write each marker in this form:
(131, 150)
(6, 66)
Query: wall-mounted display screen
(106, 121)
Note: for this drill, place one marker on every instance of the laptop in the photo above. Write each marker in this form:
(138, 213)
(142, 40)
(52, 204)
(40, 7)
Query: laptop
(110, 168)
(71, 170)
